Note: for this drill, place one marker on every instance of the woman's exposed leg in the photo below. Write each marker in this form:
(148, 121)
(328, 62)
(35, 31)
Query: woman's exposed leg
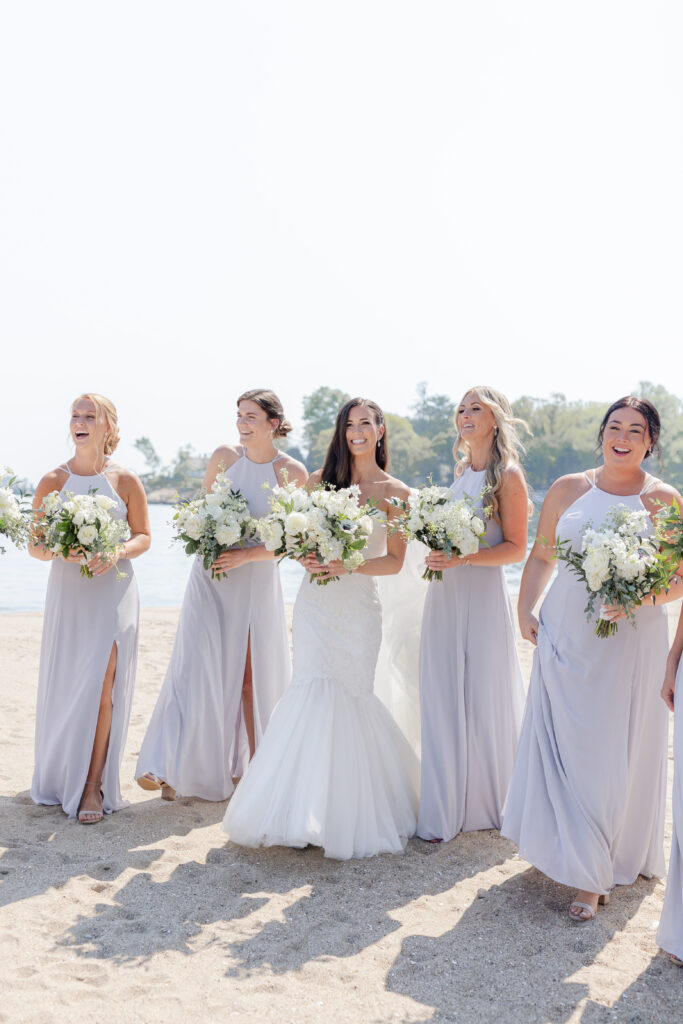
(91, 801)
(248, 701)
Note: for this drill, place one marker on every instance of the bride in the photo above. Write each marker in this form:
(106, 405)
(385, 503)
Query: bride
(333, 769)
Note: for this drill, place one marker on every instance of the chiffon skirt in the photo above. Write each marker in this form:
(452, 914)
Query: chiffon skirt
(196, 739)
(83, 619)
(670, 934)
(586, 800)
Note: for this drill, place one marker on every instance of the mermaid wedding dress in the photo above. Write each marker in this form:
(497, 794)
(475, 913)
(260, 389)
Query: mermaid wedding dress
(333, 768)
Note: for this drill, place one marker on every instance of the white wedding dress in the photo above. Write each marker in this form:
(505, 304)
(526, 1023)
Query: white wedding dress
(333, 768)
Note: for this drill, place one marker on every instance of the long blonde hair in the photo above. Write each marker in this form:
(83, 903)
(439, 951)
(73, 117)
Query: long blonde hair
(107, 410)
(506, 450)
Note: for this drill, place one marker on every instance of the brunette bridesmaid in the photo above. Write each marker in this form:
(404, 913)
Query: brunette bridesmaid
(586, 800)
(230, 662)
(90, 632)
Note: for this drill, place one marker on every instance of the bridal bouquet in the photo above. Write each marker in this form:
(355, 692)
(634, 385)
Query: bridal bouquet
(618, 563)
(433, 517)
(212, 524)
(330, 524)
(81, 522)
(15, 517)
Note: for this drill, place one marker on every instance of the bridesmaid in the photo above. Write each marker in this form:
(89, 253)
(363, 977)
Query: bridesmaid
(230, 661)
(471, 690)
(90, 632)
(670, 934)
(586, 800)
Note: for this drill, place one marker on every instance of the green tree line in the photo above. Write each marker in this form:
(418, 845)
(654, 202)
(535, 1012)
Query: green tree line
(562, 439)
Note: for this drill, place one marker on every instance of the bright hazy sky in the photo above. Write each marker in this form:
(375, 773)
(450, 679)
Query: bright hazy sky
(198, 198)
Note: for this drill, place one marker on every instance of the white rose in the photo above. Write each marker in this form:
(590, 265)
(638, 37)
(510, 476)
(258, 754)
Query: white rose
(228, 535)
(103, 502)
(299, 500)
(365, 525)
(478, 526)
(193, 527)
(87, 535)
(295, 523)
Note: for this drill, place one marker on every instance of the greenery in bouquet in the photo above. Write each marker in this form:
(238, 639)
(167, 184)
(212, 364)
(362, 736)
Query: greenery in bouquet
(15, 513)
(81, 523)
(619, 563)
(328, 523)
(433, 517)
(214, 523)
(669, 525)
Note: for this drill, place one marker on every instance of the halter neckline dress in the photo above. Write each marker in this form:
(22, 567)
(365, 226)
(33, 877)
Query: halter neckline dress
(471, 691)
(586, 799)
(196, 739)
(83, 618)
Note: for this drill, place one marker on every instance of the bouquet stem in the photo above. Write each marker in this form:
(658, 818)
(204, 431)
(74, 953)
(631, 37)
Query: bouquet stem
(606, 628)
(433, 574)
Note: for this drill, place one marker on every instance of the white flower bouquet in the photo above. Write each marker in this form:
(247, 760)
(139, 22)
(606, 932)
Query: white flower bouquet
(212, 524)
(329, 523)
(619, 564)
(15, 516)
(81, 522)
(433, 517)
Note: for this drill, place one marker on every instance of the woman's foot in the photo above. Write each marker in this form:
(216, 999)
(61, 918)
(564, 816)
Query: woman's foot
(150, 781)
(675, 960)
(90, 808)
(584, 906)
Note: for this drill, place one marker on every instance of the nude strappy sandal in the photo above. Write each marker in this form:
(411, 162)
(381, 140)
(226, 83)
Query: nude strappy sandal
(602, 902)
(152, 782)
(91, 817)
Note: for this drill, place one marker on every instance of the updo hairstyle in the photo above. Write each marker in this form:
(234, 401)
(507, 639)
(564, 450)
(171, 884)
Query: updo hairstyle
(646, 410)
(271, 405)
(106, 410)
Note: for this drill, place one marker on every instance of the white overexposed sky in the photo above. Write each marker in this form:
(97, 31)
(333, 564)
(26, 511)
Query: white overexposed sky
(201, 197)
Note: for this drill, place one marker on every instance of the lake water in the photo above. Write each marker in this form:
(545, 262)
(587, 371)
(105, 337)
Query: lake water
(161, 573)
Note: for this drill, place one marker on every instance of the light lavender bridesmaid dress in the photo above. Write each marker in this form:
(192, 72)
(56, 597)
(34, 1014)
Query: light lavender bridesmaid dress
(670, 934)
(83, 619)
(471, 692)
(196, 739)
(586, 800)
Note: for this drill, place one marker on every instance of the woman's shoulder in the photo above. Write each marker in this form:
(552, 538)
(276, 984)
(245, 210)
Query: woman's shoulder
(657, 491)
(392, 487)
(53, 480)
(294, 469)
(227, 453)
(125, 478)
(566, 490)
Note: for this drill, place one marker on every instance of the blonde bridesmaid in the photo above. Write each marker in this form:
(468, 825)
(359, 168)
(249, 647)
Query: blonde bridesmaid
(90, 632)
(471, 690)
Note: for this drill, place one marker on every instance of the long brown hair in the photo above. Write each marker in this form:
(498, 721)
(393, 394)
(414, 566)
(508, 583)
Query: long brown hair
(336, 471)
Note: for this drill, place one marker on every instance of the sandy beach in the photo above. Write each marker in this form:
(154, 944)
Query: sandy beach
(153, 916)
